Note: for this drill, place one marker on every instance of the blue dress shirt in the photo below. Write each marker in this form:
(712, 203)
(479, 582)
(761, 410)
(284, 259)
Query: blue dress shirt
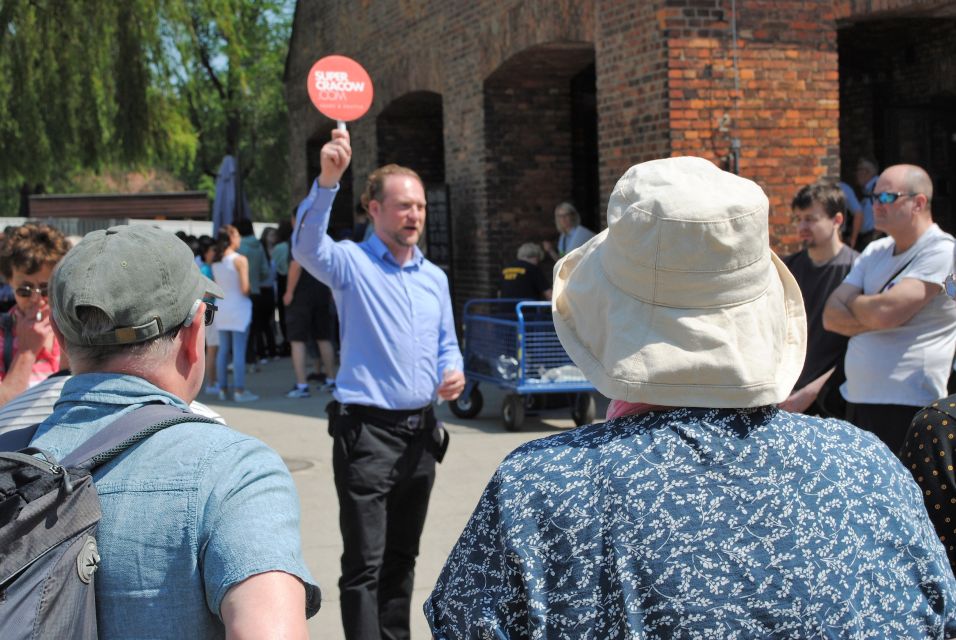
(396, 322)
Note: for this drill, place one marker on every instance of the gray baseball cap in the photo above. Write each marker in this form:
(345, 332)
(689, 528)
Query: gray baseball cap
(145, 279)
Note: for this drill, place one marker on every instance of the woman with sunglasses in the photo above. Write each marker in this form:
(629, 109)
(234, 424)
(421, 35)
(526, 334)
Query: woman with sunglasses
(29, 350)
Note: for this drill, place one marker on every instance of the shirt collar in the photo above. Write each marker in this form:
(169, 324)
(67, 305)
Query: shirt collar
(379, 250)
(114, 389)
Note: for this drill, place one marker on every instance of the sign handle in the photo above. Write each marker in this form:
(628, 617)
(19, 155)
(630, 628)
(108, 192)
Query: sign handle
(340, 125)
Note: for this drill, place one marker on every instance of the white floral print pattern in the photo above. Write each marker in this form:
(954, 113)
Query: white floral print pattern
(698, 523)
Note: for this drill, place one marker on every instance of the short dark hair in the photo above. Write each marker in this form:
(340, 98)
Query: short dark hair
(244, 227)
(828, 195)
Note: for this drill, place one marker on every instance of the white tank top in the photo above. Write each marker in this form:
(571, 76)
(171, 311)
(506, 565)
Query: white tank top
(235, 310)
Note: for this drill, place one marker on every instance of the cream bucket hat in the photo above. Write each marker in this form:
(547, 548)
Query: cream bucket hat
(680, 301)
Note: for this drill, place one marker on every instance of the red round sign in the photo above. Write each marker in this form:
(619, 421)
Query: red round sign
(340, 88)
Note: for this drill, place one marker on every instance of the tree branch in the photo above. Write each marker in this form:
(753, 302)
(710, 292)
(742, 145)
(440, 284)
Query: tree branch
(204, 58)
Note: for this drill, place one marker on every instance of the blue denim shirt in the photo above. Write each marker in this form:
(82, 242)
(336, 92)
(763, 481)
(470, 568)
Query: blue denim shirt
(187, 513)
(397, 326)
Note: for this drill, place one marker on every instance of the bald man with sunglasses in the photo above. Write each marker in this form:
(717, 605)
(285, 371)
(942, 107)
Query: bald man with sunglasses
(901, 328)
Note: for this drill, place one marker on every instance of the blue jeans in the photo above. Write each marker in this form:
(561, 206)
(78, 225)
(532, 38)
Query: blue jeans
(234, 343)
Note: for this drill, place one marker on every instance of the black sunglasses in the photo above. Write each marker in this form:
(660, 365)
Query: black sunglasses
(27, 291)
(208, 315)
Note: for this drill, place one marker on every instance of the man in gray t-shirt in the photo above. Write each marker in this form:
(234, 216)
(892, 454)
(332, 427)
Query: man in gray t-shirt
(901, 330)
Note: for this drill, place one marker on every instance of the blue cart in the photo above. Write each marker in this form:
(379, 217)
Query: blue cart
(512, 344)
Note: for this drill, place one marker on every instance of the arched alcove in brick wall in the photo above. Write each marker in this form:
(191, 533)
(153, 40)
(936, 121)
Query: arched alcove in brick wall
(541, 144)
(410, 133)
(898, 99)
(343, 207)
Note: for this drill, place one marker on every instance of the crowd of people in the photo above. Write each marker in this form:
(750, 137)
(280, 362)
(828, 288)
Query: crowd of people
(776, 461)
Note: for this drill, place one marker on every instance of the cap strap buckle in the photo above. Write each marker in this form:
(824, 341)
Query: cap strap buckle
(129, 335)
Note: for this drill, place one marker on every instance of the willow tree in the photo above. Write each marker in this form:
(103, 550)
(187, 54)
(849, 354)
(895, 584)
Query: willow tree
(172, 84)
(77, 91)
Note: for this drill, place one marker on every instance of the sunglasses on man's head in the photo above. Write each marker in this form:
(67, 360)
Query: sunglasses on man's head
(27, 291)
(889, 197)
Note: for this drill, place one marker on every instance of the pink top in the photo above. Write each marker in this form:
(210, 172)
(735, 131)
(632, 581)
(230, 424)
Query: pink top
(47, 362)
(619, 408)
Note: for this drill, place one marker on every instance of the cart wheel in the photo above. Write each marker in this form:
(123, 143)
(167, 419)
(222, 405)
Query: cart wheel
(467, 407)
(512, 412)
(584, 409)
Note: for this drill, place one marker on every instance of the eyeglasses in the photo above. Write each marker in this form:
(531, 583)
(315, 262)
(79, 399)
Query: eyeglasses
(208, 315)
(950, 284)
(889, 197)
(27, 291)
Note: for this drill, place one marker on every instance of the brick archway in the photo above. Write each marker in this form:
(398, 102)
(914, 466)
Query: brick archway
(410, 132)
(540, 144)
(898, 98)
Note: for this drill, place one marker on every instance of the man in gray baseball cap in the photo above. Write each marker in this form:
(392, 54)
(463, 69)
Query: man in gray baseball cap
(200, 528)
(140, 281)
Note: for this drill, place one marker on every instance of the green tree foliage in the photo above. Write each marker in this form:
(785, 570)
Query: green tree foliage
(231, 55)
(90, 86)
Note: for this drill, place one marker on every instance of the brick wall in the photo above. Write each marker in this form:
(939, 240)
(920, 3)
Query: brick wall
(519, 124)
(632, 100)
(450, 49)
(779, 98)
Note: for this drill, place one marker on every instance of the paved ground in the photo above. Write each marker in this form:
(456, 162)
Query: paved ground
(297, 430)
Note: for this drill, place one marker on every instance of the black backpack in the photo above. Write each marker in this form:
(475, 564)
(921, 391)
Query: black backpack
(49, 512)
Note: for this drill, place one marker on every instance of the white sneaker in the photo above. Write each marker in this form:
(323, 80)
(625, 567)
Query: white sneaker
(212, 390)
(222, 394)
(245, 396)
(296, 392)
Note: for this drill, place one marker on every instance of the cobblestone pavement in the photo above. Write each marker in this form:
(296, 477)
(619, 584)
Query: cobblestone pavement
(297, 430)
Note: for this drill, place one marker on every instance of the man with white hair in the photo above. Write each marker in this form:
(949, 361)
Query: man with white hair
(699, 509)
(523, 279)
(890, 304)
(571, 233)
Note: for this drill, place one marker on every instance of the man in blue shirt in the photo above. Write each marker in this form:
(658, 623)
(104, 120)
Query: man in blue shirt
(398, 351)
(200, 530)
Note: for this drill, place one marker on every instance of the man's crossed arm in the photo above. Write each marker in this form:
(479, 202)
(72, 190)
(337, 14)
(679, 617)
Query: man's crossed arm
(849, 312)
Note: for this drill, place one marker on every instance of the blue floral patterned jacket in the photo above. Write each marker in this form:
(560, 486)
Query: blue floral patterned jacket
(699, 523)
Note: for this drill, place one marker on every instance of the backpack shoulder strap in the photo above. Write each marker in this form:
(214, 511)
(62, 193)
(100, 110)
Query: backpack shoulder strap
(16, 439)
(127, 431)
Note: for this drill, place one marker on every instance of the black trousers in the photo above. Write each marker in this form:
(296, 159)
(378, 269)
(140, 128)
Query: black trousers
(262, 323)
(384, 470)
(889, 422)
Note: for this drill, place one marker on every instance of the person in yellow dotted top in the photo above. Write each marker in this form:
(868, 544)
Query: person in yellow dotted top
(928, 454)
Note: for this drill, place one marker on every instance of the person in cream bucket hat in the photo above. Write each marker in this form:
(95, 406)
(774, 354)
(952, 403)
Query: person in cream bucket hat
(700, 508)
(680, 301)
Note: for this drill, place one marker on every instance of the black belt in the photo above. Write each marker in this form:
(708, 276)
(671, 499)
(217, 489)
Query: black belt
(410, 418)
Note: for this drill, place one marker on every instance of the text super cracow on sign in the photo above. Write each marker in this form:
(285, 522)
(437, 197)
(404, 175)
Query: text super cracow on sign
(340, 88)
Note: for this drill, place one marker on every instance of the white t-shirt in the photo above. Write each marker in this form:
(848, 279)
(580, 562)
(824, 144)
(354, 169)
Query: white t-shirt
(909, 364)
(35, 405)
